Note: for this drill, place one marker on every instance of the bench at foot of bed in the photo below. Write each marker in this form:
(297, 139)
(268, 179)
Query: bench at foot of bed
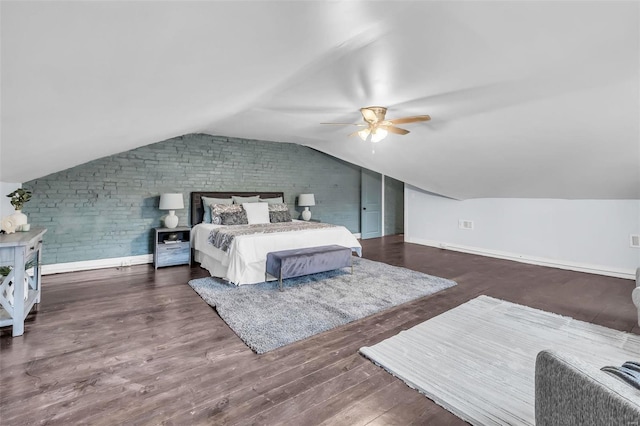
(306, 261)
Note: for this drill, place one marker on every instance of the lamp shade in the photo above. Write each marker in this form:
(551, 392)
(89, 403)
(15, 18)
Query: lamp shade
(171, 202)
(305, 200)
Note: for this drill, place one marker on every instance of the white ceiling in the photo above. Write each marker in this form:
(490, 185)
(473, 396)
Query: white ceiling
(527, 99)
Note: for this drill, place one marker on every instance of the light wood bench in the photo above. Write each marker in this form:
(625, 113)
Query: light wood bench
(306, 261)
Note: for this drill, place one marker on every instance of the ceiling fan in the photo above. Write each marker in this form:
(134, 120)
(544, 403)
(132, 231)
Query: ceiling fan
(377, 127)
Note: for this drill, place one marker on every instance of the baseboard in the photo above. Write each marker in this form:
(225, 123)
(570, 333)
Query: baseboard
(58, 268)
(357, 235)
(532, 260)
(86, 265)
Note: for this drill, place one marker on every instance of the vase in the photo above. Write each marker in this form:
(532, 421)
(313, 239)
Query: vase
(20, 219)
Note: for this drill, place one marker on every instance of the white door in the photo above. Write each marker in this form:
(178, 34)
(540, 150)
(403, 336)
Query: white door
(371, 204)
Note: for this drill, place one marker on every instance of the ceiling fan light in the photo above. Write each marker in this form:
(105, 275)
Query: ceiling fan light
(364, 133)
(378, 134)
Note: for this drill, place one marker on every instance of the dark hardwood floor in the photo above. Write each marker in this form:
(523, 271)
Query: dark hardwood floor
(138, 346)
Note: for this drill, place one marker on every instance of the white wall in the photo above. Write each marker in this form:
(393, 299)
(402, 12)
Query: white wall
(587, 235)
(5, 204)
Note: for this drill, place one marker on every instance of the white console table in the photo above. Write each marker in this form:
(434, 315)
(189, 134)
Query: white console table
(16, 250)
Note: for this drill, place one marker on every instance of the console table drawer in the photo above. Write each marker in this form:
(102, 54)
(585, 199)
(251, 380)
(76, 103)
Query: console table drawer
(33, 248)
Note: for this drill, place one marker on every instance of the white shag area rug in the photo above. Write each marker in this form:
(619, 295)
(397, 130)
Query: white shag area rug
(478, 359)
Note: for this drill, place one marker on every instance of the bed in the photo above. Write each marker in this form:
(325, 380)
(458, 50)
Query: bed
(244, 261)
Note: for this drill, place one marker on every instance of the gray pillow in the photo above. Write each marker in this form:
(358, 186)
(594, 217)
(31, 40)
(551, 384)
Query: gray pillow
(235, 218)
(277, 217)
(206, 204)
(277, 200)
(240, 200)
(278, 207)
(218, 209)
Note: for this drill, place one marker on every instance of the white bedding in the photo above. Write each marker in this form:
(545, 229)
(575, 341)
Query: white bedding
(246, 260)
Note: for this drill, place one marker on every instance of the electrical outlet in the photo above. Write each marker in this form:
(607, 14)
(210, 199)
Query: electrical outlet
(465, 224)
(634, 240)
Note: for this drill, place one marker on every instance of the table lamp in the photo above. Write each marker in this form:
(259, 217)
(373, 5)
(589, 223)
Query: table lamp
(171, 202)
(306, 200)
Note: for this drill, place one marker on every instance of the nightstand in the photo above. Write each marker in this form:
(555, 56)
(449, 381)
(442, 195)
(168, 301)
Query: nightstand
(172, 246)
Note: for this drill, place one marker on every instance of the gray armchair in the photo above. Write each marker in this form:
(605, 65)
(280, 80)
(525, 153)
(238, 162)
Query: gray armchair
(635, 295)
(570, 392)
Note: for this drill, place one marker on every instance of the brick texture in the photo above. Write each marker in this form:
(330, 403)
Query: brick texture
(108, 207)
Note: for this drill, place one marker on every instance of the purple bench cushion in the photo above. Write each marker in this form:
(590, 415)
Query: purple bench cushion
(306, 261)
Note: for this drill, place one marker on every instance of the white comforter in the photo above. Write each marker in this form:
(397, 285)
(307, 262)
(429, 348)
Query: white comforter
(246, 260)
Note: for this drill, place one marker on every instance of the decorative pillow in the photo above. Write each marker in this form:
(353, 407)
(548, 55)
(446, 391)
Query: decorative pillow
(206, 203)
(257, 212)
(218, 209)
(277, 200)
(240, 200)
(234, 218)
(278, 207)
(277, 217)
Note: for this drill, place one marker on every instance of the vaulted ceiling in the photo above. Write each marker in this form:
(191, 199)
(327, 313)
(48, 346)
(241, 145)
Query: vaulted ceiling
(527, 99)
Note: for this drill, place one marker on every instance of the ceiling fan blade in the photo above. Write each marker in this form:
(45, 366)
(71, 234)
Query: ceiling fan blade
(412, 119)
(394, 129)
(346, 124)
(369, 115)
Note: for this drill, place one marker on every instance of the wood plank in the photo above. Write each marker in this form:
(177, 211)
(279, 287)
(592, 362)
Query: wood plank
(370, 407)
(318, 404)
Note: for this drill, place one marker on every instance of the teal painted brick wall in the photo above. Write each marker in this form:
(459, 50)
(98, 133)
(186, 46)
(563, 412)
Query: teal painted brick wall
(393, 206)
(108, 207)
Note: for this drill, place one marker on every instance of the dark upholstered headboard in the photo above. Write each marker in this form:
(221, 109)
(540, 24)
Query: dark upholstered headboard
(197, 209)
